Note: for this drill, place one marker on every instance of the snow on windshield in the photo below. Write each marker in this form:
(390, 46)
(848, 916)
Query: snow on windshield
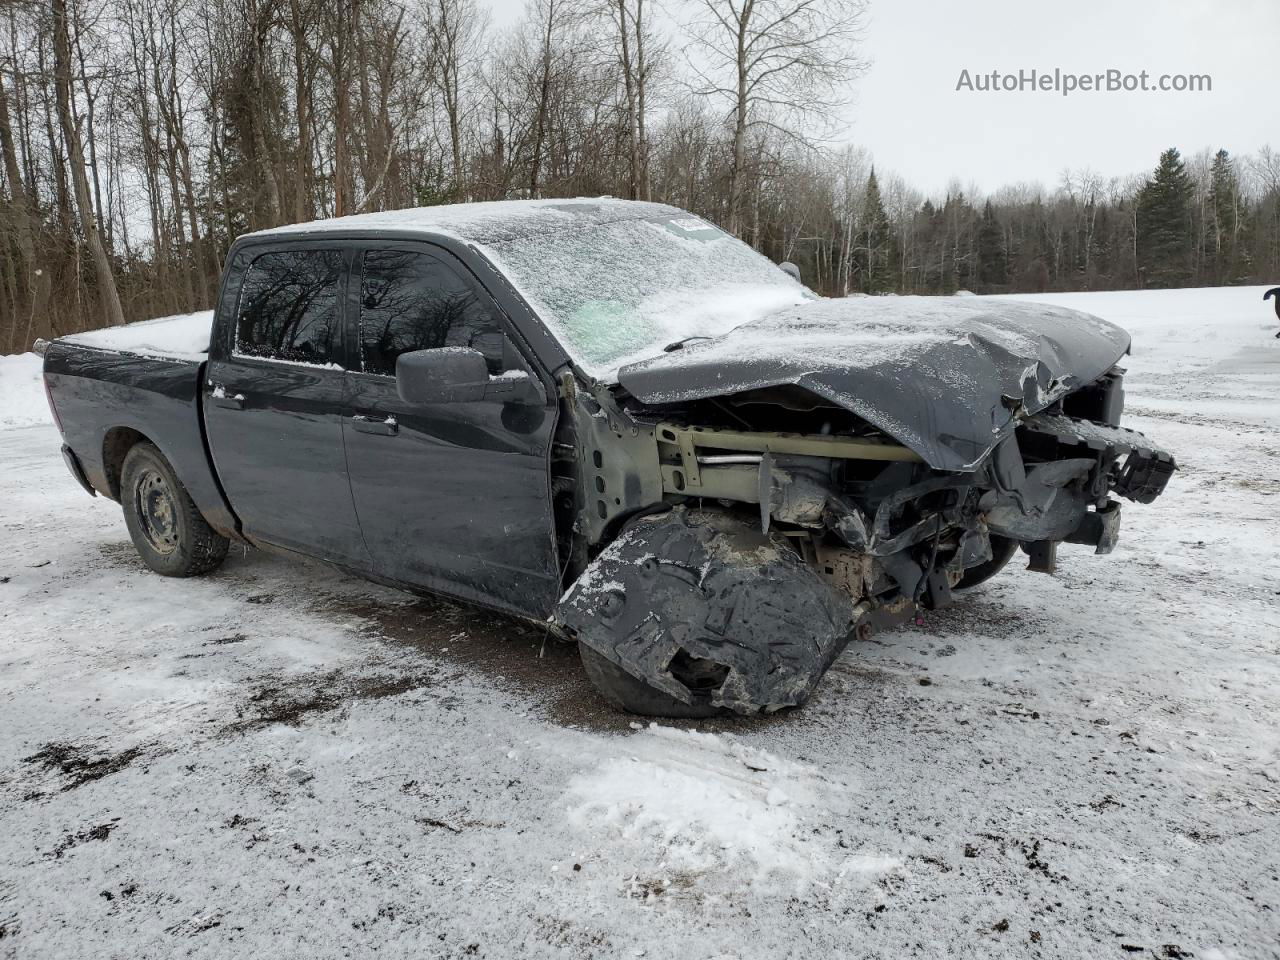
(618, 292)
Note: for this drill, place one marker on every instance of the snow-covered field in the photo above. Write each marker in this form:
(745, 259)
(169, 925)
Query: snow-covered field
(278, 761)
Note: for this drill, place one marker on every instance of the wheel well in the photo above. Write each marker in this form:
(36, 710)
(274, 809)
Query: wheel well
(115, 447)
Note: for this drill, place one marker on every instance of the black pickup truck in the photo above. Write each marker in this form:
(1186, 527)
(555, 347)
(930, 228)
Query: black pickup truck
(612, 418)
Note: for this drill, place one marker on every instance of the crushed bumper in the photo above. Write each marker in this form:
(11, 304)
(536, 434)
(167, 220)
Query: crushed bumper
(1142, 470)
(699, 602)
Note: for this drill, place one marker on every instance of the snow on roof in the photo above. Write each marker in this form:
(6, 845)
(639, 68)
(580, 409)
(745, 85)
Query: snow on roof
(490, 221)
(184, 336)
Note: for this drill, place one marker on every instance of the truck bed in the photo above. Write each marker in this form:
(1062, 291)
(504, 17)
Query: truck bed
(184, 336)
(104, 397)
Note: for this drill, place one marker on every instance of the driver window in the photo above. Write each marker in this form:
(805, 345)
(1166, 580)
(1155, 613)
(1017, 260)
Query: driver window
(289, 307)
(412, 301)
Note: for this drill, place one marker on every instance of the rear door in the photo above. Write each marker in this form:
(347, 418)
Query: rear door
(274, 400)
(453, 497)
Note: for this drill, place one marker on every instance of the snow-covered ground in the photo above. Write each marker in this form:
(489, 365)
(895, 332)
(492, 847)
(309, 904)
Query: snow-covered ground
(276, 760)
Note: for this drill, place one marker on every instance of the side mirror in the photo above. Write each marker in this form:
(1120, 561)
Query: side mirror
(791, 270)
(443, 375)
(461, 375)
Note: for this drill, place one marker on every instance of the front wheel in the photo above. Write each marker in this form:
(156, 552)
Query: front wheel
(167, 530)
(635, 696)
(1002, 551)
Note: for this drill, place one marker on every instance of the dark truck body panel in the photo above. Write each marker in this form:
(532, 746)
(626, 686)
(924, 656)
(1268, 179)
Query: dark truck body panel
(99, 391)
(277, 460)
(973, 366)
(713, 524)
(410, 508)
(280, 457)
(458, 501)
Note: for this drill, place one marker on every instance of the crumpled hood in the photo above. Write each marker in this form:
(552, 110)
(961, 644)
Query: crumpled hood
(941, 375)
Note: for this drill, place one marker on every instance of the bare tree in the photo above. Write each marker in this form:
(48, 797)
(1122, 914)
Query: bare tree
(254, 56)
(108, 296)
(637, 52)
(303, 16)
(457, 32)
(552, 19)
(22, 269)
(378, 49)
(1264, 170)
(139, 137)
(781, 64)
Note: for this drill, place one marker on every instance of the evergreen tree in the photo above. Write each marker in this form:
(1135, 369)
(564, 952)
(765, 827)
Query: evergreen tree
(993, 260)
(957, 252)
(924, 228)
(1225, 220)
(1165, 238)
(878, 258)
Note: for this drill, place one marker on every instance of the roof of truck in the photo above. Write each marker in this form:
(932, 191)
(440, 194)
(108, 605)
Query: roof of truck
(486, 222)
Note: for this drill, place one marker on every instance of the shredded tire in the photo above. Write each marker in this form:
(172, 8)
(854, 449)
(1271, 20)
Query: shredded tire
(635, 696)
(167, 529)
(1002, 551)
(691, 613)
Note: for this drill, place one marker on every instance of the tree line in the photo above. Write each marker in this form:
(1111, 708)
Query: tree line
(140, 137)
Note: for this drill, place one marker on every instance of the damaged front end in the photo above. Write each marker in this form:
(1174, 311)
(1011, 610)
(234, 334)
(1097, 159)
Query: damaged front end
(749, 555)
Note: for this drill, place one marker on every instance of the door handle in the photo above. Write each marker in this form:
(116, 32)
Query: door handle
(219, 397)
(379, 426)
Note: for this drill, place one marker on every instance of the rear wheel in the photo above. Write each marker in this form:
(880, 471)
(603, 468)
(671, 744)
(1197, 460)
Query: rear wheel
(1002, 551)
(167, 530)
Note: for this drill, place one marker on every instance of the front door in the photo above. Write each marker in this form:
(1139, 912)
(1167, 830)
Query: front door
(453, 497)
(274, 402)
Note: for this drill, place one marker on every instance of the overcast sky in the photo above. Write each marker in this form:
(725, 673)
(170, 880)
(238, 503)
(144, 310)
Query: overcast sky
(908, 114)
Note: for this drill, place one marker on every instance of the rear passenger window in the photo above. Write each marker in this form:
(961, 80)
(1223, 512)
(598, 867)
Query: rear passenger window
(412, 301)
(289, 307)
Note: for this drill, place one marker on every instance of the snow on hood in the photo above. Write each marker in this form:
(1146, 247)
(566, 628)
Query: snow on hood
(184, 336)
(937, 374)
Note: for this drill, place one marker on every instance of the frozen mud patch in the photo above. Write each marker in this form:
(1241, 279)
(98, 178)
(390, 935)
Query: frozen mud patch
(79, 764)
(676, 809)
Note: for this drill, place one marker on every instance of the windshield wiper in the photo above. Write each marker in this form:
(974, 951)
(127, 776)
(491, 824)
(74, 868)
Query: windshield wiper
(679, 344)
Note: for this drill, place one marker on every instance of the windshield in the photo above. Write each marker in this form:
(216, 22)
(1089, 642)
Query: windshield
(615, 293)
